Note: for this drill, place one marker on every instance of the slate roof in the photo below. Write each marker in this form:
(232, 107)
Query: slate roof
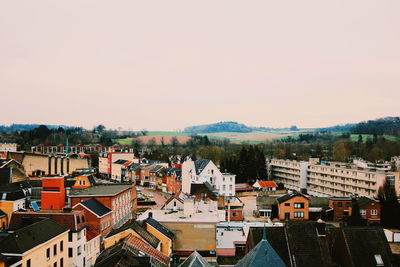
(166, 232)
(200, 164)
(177, 171)
(289, 196)
(361, 244)
(2, 214)
(263, 254)
(31, 236)
(122, 256)
(306, 247)
(14, 191)
(120, 161)
(96, 207)
(157, 168)
(362, 201)
(298, 241)
(147, 236)
(198, 189)
(320, 202)
(195, 260)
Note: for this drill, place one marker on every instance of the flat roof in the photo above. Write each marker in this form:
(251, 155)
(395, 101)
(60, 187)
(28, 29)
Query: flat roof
(100, 190)
(166, 216)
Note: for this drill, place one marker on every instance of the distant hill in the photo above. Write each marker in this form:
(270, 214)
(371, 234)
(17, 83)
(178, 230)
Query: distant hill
(225, 126)
(338, 128)
(27, 127)
(382, 126)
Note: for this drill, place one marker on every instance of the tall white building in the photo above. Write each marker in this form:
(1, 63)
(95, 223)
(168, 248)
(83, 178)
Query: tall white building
(331, 178)
(8, 147)
(204, 170)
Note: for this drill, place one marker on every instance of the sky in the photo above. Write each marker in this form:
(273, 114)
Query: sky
(165, 65)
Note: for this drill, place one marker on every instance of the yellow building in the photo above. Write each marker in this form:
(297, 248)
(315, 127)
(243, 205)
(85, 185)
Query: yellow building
(44, 243)
(163, 234)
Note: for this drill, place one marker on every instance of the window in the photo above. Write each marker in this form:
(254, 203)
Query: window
(299, 205)
(48, 253)
(70, 252)
(55, 264)
(363, 212)
(28, 263)
(348, 204)
(235, 214)
(55, 249)
(340, 204)
(62, 246)
(287, 204)
(374, 212)
(84, 261)
(79, 250)
(378, 259)
(62, 262)
(174, 203)
(78, 219)
(299, 214)
(70, 236)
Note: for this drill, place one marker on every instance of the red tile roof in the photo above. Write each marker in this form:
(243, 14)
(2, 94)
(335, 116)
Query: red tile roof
(148, 249)
(267, 184)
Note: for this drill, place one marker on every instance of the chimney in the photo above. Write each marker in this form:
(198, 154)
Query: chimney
(150, 215)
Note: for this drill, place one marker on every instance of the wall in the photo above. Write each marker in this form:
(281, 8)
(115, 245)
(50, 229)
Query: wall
(166, 243)
(297, 199)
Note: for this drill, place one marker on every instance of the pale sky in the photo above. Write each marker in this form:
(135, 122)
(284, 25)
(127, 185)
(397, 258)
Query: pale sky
(164, 65)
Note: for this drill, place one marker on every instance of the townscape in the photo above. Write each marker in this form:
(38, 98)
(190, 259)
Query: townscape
(57, 209)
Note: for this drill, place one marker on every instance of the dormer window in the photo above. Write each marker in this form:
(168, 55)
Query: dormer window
(378, 260)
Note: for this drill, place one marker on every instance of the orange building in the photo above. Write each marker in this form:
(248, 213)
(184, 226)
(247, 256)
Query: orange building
(293, 206)
(84, 181)
(341, 207)
(53, 193)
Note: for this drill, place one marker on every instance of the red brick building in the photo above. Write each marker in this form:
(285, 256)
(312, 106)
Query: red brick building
(174, 180)
(370, 210)
(98, 216)
(120, 198)
(341, 207)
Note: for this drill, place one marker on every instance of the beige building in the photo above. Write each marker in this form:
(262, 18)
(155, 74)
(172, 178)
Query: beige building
(106, 160)
(331, 178)
(43, 243)
(36, 164)
(8, 147)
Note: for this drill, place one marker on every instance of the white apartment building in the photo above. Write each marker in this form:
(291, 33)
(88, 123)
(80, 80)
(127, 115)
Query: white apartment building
(106, 161)
(8, 147)
(293, 174)
(331, 179)
(204, 170)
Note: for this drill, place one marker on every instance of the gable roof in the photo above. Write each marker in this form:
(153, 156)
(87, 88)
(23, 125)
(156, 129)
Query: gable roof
(363, 243)
(165, 231)
(200, 164)
(289, 196)
(196, 189)
(175, 196)
(195, 260)
(364, 201)
(30, 236)
(96, 207)
(146, 248)
(147, 236)
(263, 254)
(267, 184)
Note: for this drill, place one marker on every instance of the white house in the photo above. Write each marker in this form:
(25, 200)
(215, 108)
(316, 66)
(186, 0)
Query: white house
(265, 185)
(204, 170)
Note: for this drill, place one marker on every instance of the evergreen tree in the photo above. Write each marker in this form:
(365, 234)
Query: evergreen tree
(355, 217)
(390, 207)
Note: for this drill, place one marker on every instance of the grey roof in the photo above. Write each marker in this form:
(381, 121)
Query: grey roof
(156, 168)
(319, 202)
(200, 164)
(160, 228)
(360, 245)
(262, 255)
(197, 189)
(265, 201)
(14, 191)
(30, 236)
(195, 260)
(289, 196)
(100, 190)
(177, 171)
(364, 200)
(96, 207)
(2, 214)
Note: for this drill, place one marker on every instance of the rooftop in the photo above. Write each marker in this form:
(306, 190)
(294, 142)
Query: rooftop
(100, 190)
(167, 216)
